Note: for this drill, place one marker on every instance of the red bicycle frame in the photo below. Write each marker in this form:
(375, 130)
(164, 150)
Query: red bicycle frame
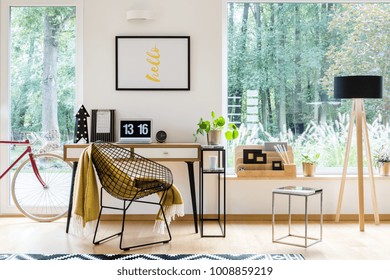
(30, 155)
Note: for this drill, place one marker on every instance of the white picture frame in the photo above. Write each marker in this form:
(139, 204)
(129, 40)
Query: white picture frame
(152, 62)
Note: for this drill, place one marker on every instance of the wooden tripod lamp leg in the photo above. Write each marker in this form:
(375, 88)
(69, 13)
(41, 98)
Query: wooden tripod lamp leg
(359, 144)
(346, 158)
(370, 169)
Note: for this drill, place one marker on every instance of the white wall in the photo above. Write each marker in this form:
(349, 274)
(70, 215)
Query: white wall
(177, 112)
(255, 196)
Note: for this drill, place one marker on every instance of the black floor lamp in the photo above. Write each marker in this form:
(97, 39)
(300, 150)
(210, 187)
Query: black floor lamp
(357, 88)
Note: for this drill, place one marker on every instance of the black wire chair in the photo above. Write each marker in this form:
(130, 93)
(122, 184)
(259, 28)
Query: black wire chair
(128, 176)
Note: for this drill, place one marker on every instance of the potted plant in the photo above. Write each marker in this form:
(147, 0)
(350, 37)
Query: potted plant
(309, 164)
(382, 160)
(213, 129)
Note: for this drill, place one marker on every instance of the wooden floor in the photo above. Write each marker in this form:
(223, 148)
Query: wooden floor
(340, 240)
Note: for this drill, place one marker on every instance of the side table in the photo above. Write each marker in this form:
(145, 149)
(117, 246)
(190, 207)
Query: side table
(218, 170)
(301, 192)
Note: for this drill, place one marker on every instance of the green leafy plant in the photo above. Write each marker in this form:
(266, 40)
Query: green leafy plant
(382, 155)
(232, 132)
(216, 123)
(310, 159)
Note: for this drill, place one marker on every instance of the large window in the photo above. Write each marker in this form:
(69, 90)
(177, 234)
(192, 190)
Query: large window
(282, 59)
(39, 77)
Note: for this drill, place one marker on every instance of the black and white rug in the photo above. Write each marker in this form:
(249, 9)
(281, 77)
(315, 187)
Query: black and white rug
(151, 257)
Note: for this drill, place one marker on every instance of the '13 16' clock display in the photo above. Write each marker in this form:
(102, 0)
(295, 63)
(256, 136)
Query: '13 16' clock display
(131, 129)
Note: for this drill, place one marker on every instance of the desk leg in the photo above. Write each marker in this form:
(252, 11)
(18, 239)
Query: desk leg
(191, 176)
(71, 196)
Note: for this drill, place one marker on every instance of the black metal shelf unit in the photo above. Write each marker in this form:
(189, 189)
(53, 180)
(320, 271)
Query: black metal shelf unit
(220, 172)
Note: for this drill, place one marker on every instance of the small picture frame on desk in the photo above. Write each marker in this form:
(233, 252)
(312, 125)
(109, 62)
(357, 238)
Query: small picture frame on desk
(103, 122)
(277, 165)
(254, 156)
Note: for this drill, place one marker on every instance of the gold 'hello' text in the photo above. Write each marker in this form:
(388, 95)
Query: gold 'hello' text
(153, 58)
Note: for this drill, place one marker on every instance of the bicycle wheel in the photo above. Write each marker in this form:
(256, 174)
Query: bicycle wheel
(43, 204)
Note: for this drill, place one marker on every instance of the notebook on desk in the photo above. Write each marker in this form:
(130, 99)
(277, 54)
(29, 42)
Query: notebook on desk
(134, 131)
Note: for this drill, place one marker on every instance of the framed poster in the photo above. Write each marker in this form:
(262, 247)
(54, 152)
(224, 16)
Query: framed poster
(152, 62)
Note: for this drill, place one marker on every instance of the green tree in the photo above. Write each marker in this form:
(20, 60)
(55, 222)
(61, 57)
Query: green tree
(289, 54)
(363, 49)
(42, 69)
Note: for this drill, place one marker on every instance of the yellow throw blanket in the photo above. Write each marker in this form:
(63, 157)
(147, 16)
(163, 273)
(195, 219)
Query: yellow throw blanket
(173, 205)
(86, 196)
(86, 199)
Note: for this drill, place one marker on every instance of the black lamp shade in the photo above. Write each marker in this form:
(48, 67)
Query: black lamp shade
(358, 87)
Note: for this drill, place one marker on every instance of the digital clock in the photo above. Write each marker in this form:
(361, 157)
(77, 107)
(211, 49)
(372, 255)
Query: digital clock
(135, 131)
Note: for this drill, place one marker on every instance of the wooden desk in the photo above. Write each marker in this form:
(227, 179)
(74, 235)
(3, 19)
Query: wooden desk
(174, 152)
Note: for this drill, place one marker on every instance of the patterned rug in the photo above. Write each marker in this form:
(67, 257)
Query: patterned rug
(151, 257)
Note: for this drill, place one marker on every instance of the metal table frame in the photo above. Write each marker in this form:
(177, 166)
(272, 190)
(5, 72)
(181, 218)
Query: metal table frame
(306, 195)
(221, 190)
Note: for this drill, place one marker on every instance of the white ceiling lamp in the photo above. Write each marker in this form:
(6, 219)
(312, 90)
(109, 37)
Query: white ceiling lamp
(139, 15)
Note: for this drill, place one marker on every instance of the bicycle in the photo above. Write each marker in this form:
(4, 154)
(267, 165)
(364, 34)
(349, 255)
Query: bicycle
(45, 196)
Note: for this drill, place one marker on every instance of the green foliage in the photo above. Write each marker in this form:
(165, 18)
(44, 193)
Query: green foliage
(326, 139)
(289, 54)
(310, 159)
(216, 123)
(362, 49)
(279, 51)
(232, 132)
(329, 139)
(26, 77)
(382, 155)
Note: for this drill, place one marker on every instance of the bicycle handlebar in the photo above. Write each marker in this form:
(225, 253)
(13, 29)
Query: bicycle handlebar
(25, 142)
